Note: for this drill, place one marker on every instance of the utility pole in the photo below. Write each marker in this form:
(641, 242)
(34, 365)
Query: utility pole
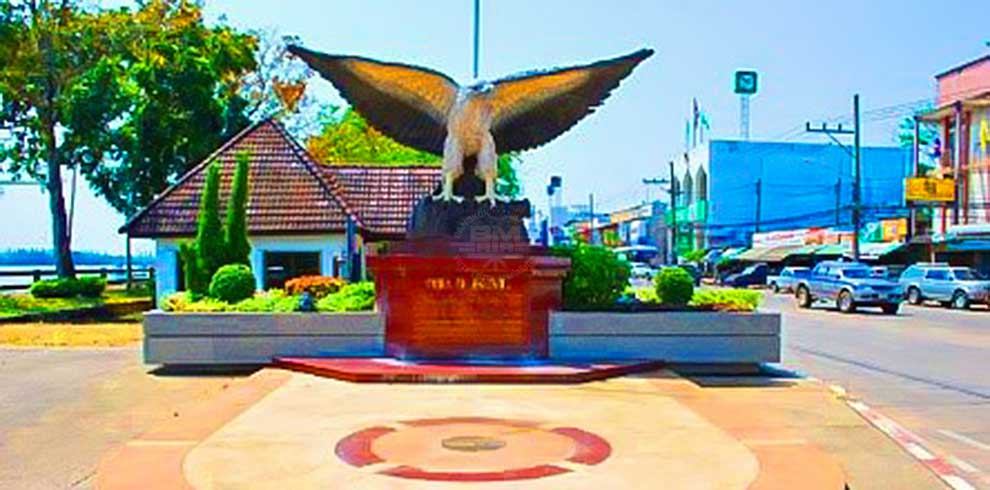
(857, 165)
(759, 202)
(653, 181)
(673, 214)
(838, 202)
(857, 180)
(477, 35)
(555, 183)
(915, 161)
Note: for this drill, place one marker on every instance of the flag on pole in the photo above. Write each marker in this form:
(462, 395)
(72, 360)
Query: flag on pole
(695, 116)
(687, 135)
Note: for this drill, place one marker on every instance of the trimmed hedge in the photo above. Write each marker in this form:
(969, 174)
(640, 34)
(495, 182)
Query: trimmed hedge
(232, 283)
(86, 286)
(674, 286)
(728, 299)
(352, 297)
(317, 286)
(359, 296)
(597, 277)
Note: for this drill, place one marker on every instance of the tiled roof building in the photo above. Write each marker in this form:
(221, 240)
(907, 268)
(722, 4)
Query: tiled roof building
(290, 193)
(298, 211)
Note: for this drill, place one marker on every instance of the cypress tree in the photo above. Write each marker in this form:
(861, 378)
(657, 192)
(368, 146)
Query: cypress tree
(190, 269)
(236, 239)
(210, 251)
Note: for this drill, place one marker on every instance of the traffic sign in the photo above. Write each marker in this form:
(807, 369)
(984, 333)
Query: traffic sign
(746, 82)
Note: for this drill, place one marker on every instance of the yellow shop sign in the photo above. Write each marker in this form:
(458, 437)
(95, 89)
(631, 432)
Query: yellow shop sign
(928, 189)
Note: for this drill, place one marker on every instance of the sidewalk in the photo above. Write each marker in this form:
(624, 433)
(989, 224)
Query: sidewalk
(656, 430)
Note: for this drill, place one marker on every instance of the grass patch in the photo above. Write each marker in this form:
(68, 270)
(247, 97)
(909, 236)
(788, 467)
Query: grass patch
(22, 303)
(70, 334)
(728, 299)
(359, 296)
(719, 299)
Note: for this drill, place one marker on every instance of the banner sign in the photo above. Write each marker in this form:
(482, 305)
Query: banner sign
(894, 230)
(928, 189)
(780, 238)
(984, 136)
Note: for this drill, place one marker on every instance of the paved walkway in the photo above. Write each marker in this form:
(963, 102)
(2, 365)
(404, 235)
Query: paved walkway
(61, 410)
(649, 431)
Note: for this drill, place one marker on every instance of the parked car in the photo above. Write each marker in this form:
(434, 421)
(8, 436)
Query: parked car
(640, 270)
(694, 270)
(848, 285)
(787, 279)
(957, 287)
(753, 275)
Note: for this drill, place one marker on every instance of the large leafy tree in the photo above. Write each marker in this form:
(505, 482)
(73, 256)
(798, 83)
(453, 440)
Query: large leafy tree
(51, 59)
(347, 138)
(179, 79)
(132, 98)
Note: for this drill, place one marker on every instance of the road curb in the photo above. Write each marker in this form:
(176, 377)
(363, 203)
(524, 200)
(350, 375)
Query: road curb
(911, 443)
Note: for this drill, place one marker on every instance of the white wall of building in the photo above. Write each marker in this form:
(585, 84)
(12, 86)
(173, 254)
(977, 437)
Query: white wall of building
(329, 246)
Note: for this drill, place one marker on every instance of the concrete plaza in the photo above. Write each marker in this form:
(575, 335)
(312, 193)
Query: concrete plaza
(290, 430)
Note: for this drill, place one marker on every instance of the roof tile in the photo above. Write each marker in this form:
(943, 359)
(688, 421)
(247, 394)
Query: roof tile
(291, 193)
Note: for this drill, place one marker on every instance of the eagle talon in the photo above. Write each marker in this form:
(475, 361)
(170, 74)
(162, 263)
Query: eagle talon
(492, 198)
(447, 197)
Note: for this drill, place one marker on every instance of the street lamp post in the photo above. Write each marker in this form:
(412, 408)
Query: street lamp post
(555, 183)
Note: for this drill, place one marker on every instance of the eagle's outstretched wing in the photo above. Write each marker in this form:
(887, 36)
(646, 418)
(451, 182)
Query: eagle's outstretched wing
(532, 109)
(406, 103)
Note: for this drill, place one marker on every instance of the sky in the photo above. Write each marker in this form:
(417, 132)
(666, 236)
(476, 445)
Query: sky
(811, 56)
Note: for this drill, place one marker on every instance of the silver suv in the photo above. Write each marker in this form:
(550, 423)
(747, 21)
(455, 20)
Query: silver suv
(957, 287)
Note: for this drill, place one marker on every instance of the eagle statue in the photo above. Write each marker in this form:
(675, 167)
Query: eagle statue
(429, 111)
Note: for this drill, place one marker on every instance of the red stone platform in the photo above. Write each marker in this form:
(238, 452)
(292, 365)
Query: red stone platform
(389, 370)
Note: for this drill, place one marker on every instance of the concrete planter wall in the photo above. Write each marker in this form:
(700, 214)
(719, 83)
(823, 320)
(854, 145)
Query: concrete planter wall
(675, 337)
(256, 338)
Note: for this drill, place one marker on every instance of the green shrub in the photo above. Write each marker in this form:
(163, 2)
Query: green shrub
(232, 283)
(211, 251)
(359, 296)
(196, 281)
(269, 301)
(597, 277)
(674, 286)
(91, 286)
(186, 302)
(54, 288)
(235, 232)
(728, 299)
(87, 286)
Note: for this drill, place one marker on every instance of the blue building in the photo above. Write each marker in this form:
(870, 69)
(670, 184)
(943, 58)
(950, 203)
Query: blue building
(730, 189)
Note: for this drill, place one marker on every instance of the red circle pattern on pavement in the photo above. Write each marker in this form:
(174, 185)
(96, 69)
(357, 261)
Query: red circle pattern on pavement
(414, 449)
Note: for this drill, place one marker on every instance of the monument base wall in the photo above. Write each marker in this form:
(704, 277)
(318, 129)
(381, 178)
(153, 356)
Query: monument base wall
(467, 306)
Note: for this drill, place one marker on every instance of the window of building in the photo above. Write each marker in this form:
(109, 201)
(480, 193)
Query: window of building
(282, 266)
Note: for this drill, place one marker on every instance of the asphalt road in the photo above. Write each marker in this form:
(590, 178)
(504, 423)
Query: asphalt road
(928, 368)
